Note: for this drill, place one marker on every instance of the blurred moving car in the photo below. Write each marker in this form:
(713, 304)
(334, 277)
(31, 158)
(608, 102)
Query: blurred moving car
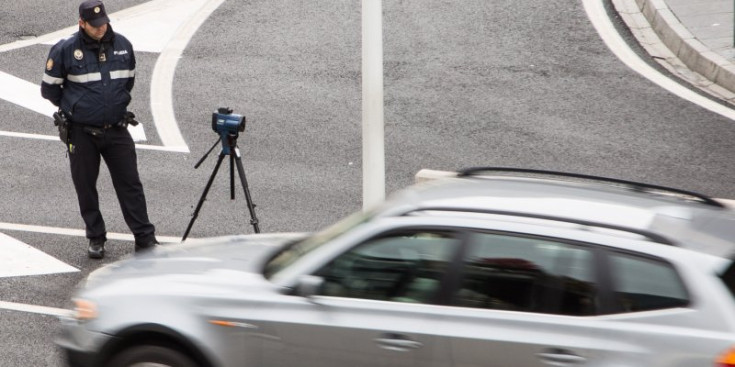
(498, 267)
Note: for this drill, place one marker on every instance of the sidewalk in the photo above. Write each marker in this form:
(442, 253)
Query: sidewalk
(697, 34)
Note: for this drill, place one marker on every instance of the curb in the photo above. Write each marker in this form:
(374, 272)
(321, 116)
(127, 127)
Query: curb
(425, 175)
(692, 52)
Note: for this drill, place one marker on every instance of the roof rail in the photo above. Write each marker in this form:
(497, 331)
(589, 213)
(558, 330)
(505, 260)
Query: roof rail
(635, 186)
(654, 237)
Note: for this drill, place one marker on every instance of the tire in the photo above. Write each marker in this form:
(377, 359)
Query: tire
(151, 356)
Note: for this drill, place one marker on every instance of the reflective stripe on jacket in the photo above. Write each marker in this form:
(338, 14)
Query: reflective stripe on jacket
(88, 90)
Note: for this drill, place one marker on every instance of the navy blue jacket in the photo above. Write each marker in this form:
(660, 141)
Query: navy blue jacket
(90, 88)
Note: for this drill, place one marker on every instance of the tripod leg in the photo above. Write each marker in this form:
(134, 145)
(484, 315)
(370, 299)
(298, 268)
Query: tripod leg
(203, 197)
(232, 177)
(244, 182)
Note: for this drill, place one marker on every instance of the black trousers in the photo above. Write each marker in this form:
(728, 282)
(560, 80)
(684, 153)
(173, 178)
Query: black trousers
(116, 147)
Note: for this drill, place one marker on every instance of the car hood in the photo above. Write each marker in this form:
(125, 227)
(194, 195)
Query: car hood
(244, 253)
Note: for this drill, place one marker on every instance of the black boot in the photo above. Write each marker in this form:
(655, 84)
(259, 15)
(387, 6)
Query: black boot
(145, 245)
(96, 248)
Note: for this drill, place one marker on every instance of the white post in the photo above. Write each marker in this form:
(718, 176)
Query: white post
(373, 147)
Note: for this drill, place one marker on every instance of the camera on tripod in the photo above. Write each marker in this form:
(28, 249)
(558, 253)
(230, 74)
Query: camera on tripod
(228, 126)
(224, 122)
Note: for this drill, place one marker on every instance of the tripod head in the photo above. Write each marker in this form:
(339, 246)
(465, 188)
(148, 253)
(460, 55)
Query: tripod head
(229, 126)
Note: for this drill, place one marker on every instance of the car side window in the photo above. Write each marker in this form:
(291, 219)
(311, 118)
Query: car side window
(507, 272)
(642, 284)
(401, 267)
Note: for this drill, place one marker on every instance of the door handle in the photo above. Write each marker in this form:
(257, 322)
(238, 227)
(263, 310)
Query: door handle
(560, 358)
(398, 343)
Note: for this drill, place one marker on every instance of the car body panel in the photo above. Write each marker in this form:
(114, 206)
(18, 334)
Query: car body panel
(221, 297)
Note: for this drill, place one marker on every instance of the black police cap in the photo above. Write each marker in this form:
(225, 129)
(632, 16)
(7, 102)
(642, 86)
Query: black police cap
(93, 11)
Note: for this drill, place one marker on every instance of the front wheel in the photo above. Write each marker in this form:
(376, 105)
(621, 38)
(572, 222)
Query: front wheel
(151, 356)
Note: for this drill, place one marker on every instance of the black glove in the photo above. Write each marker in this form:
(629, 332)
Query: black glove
(130, 119)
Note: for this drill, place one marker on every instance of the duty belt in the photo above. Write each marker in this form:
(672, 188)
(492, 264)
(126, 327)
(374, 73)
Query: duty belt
(97, 130)
(120, 123)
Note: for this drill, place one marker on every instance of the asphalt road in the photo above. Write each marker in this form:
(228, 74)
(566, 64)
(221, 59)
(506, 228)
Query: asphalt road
(522, 83)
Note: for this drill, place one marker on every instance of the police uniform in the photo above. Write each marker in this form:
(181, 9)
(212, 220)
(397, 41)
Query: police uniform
(90, 81)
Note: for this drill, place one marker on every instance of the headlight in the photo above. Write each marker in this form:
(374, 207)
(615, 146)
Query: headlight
(84, 310)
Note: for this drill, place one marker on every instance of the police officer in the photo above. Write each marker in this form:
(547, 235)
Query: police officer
(89, 76)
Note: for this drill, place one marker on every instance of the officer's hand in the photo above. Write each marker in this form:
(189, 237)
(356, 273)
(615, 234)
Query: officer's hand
(130, 118)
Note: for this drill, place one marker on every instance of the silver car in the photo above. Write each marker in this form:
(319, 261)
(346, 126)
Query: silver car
(495, 268)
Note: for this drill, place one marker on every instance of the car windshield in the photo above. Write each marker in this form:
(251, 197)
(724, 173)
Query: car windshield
(291, 253)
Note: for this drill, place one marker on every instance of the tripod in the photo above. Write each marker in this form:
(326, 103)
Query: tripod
(229, 148)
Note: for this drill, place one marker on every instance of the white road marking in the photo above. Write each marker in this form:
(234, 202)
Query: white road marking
(56, 139)
(58, 312)
(162, 106)
(25, 94)
(77, 232)
(29, 136)
(137, 132)
(600, 20)
(168, 20)
(20, 259)
(46, 38)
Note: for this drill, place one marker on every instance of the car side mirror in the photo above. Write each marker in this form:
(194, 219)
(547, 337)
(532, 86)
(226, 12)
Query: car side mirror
(309, 285)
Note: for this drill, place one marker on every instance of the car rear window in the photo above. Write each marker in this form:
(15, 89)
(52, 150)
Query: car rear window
(643, 284)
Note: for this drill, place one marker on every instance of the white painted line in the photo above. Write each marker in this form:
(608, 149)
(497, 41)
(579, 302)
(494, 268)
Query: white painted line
(162, 18)
(30, 136)
(137, 132)
(26, 94)
(162, 106)
(58, 312)
(46, 38)
(20, 259)
(77, 232)
(162, 148)
(599, 18)
(56, 139)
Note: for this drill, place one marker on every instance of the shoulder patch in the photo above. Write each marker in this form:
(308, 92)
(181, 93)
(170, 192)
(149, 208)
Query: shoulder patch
(49, 64)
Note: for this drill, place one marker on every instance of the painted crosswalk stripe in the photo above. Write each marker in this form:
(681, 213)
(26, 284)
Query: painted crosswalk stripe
(20, 259)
